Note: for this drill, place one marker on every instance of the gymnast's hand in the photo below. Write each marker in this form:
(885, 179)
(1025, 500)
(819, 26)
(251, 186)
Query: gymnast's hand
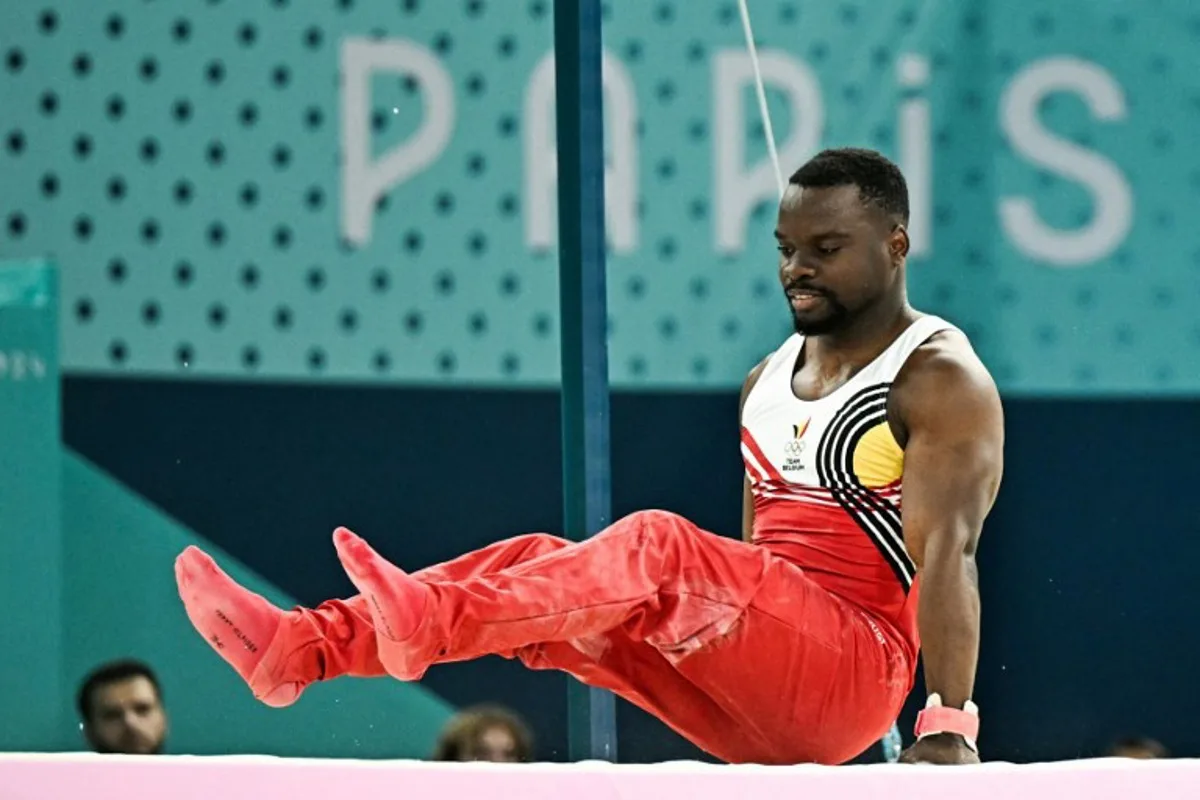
(941, 748)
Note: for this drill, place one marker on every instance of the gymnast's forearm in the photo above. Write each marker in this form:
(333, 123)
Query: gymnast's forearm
(948, 619)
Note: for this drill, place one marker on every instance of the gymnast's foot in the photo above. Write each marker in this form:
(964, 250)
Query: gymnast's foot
(397, 601)
(240, 625)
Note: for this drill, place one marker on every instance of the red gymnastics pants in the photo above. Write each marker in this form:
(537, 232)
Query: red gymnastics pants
(731, 646)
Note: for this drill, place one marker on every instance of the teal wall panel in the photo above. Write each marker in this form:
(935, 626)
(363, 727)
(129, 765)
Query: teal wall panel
(121, 602)
(363, 191)
(86, 575)
(30, 501)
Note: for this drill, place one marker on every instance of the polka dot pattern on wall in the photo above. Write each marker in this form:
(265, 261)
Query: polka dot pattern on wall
(183, 166)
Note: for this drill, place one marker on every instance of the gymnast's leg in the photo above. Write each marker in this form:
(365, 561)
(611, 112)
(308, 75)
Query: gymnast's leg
(279, 653)
(667, 616)
(338, 638)
(796, 673)
(653, 575)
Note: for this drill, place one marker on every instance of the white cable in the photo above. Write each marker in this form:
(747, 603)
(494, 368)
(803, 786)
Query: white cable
(762, 95)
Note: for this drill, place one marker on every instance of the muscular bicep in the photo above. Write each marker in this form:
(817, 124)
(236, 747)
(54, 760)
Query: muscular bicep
(953, 457)
(949, 488)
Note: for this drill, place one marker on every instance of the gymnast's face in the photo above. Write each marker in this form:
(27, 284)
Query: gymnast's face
(837, 256)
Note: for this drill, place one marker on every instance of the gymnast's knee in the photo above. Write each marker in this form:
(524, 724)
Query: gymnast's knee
(654, 528)
(532, 545)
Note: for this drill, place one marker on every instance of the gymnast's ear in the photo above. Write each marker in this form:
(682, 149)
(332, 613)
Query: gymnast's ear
(898, 244)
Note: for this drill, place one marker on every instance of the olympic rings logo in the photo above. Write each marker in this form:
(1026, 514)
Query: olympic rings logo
(794, 448)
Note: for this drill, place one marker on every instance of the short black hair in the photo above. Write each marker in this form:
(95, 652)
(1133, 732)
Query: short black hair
(109, 673)
(879, 181)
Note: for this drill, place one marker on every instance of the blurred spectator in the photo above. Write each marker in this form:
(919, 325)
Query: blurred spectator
(485, 733)
(1137, 747)
(120, 705)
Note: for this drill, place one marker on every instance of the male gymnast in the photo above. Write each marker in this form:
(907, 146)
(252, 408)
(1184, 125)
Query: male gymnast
(873, 448)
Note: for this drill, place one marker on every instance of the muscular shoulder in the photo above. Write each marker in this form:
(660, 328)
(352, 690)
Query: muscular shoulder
(945, 381)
